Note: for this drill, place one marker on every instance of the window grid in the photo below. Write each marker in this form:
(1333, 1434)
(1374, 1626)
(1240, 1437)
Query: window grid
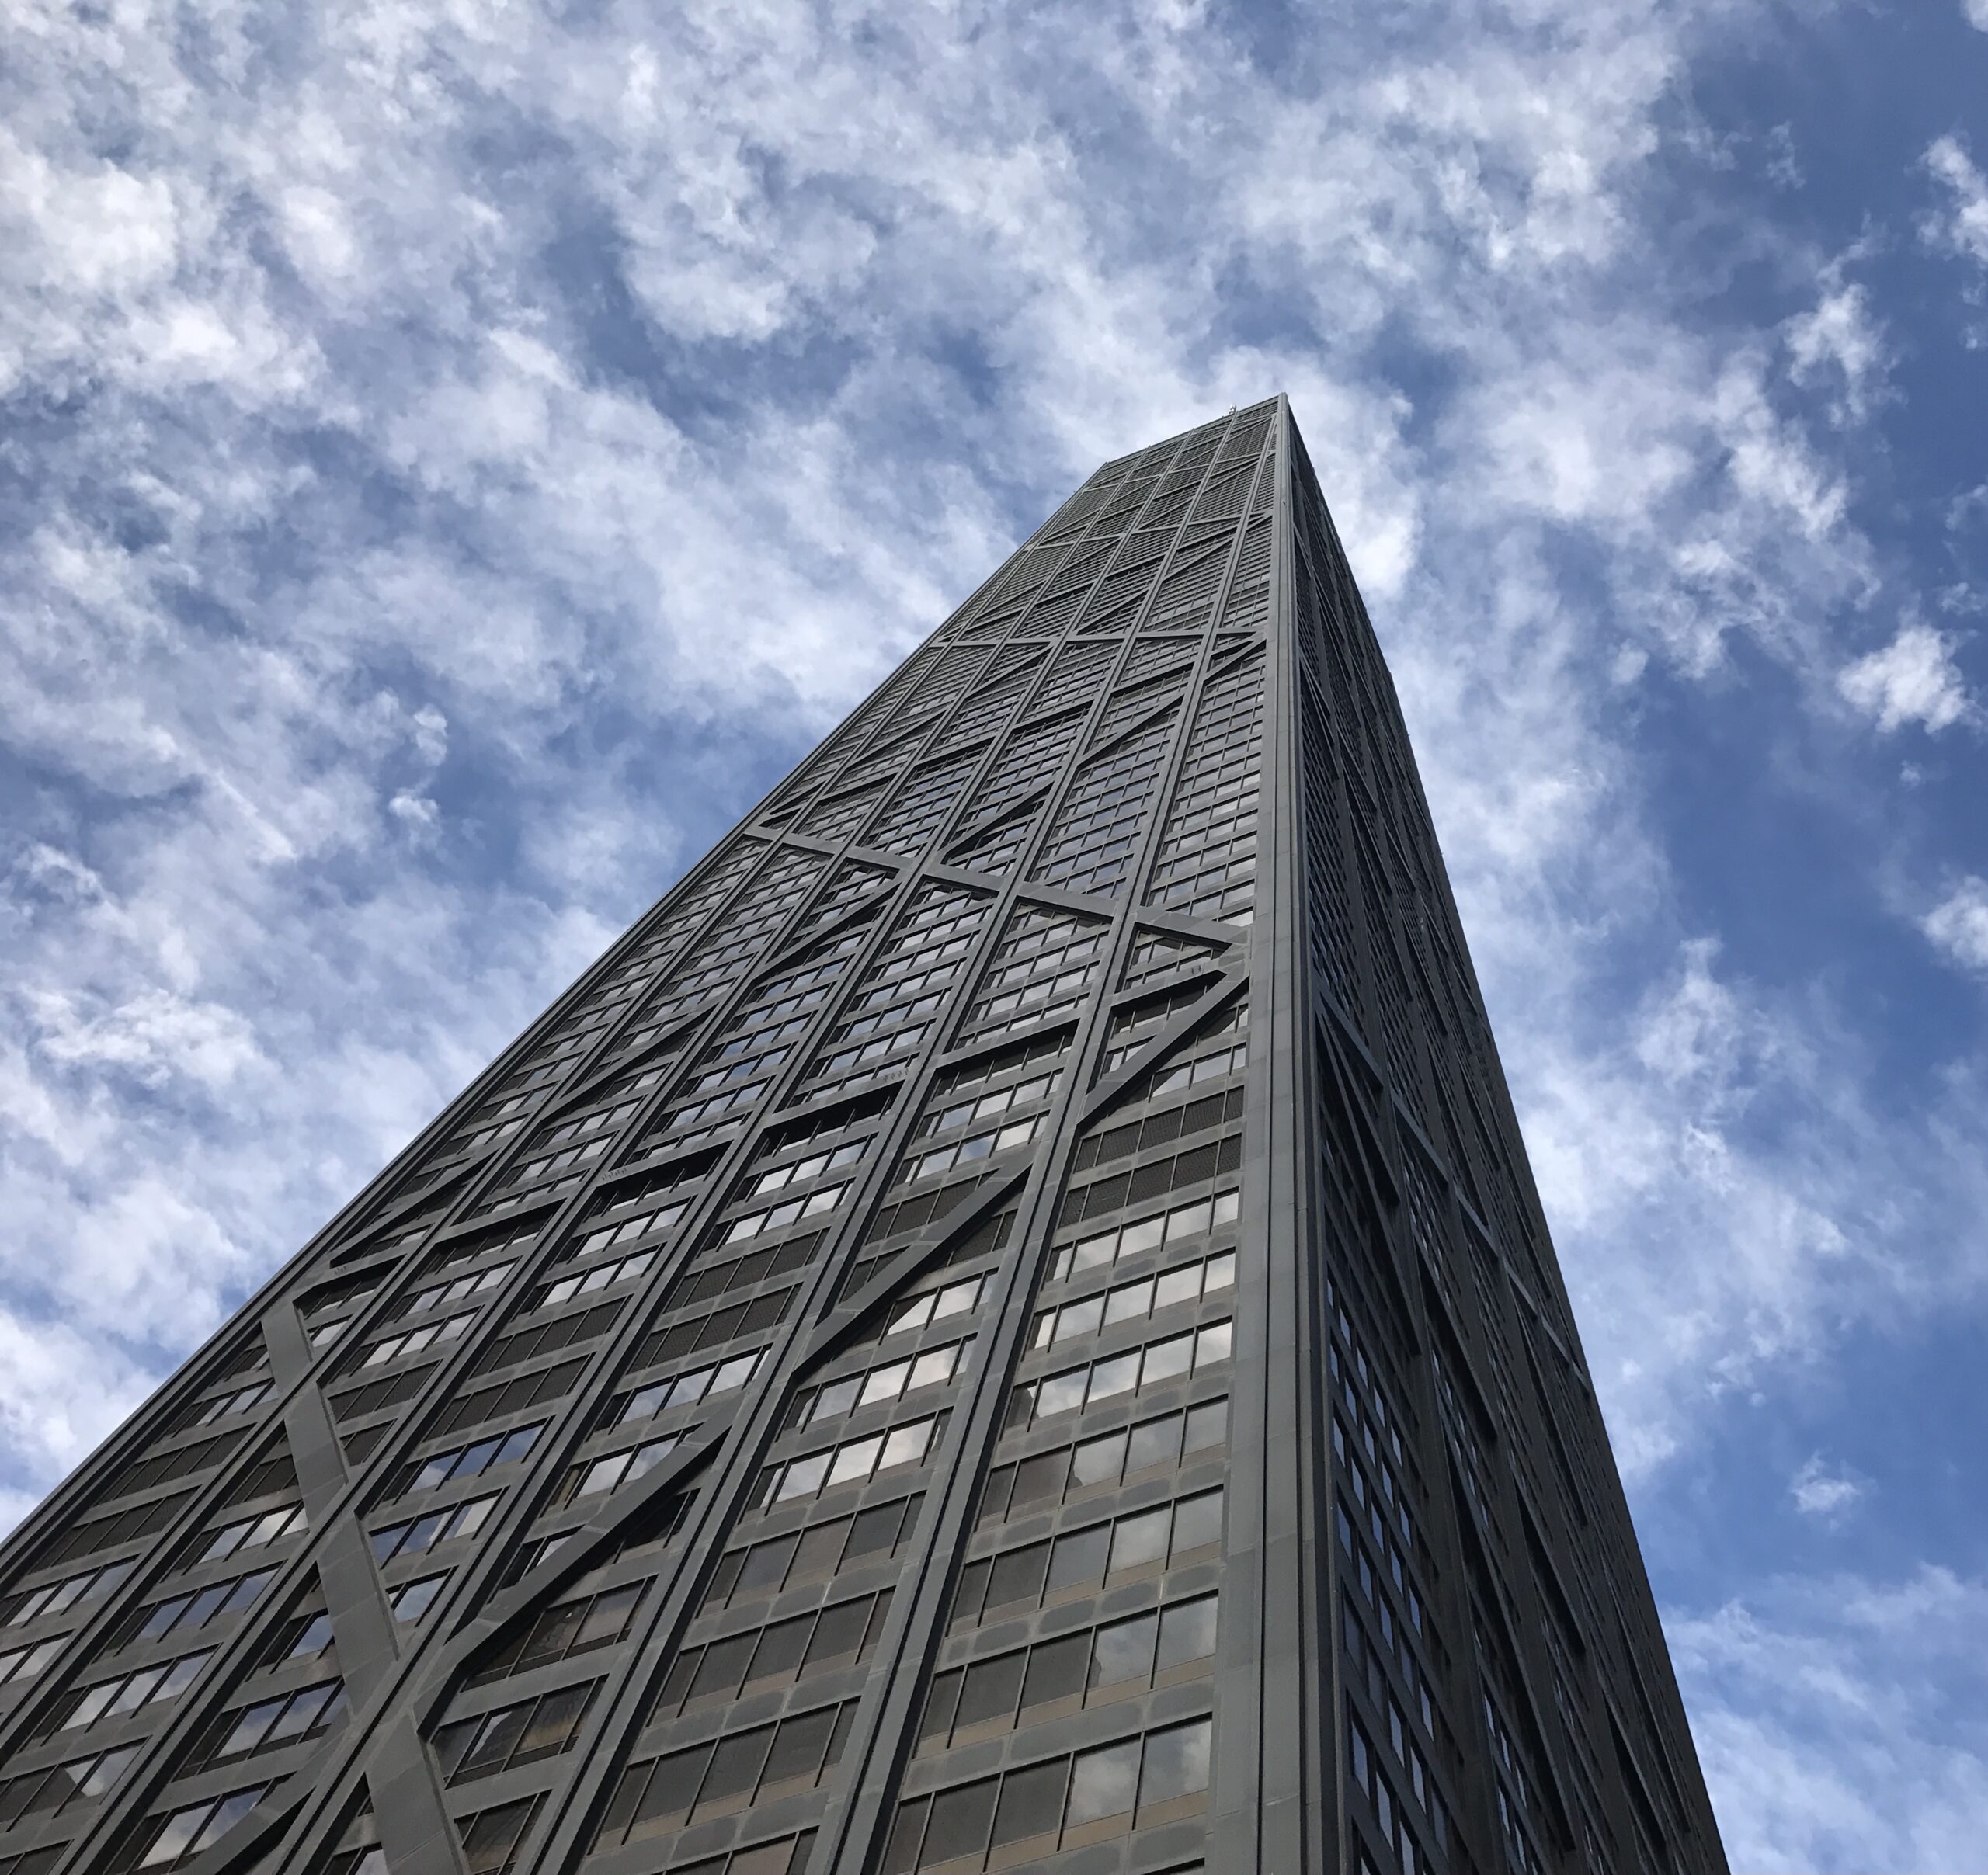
(252, 1532)
(907, 825)
(819, 1550)
(440, 1295)
(1089, 847)
(69, 1592)
(1047, 960)
(1015, 1579)
(688, 1389)
(37, 1796)
(127, 1692)
(737, 1771)
(853, 1461)
(882, 1382)
(191, 1609)
(838, 1634)
(1061, 1802)
(1042, 1481)
(577, 1625)
(1179, 1223)
(183, 1833)
(512, 1735)
(289, 1718)
(1074, 1390)
(416, 1536)
(1135, 1301)
(986, 1697)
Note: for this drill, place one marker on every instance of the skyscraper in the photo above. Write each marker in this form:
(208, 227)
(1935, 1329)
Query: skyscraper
(1005, 1323)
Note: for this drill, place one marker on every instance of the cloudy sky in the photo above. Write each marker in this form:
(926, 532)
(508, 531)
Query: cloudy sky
(455, 455)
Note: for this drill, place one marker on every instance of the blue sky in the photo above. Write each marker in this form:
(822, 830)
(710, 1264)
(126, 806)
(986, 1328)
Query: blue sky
(454, 456)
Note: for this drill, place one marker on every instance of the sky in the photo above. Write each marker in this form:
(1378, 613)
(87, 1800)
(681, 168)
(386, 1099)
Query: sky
(455, 456)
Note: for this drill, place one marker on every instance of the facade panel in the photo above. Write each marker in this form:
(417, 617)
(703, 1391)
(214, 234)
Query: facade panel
(1005, 1324)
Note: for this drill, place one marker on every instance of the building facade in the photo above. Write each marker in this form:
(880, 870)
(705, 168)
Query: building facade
(1005, 1323)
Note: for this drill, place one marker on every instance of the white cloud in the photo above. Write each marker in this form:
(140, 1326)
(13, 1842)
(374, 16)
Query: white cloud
(1959, 924)
(1977, 13)
(1819, 1492)
(1838, 1721)
(1961, 225)
(1840, 342)
(1914, 679)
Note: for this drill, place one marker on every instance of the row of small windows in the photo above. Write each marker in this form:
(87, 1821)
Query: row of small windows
(47, 1793)
(226, 1405)
(798, 1171)
(416, 1536)
(544, 1337)
(110, 1699)
(187, 1613)
(732, 1773)
(1130, 1029)
(920, 1311)
(625, 1229)
(591, 1281)
(576, 1625)
(745, 1067)
(592, 1477)
(983, 1240)
(1197, 1165)
(1044, 1480)
(947, 1110)
(70, 1591)
(483, 1403)
(252, 1532)
(183, 1833)
(871, 1056)
(687, 1388)
(690, 1124)
(1063, 1802)
(1209, 1056)
(1134, 1301)
(1091, 1666)
(415, 1340)
(21, 1665)
(680, 1336)
(512, 1735)
(887, 1381)
(852, 1462)
(710, 1276)
(287, 1719)
(468, 1461)
(1156, 953)
(816, 1552)
(1119, 1548)
(777, 1217)
(962, 1152)
(441, 1295)
(840, 1635)
(1076, 1388)
(1147, 1135)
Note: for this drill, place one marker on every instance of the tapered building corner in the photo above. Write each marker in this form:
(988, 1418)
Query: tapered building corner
(1005, 1324)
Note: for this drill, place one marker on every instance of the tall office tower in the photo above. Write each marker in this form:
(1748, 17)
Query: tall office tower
(1005, 1324)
